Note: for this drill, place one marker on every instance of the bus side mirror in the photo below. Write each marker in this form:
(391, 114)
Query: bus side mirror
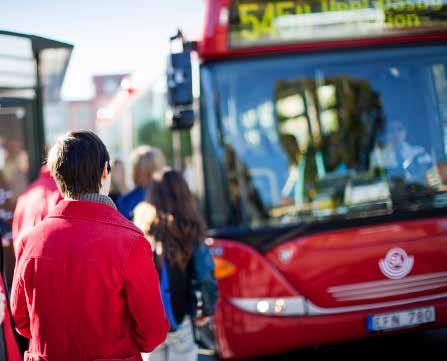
(179, 84)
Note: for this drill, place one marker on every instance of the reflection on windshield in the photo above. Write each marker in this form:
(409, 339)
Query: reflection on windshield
(321, 129)
(358, 139)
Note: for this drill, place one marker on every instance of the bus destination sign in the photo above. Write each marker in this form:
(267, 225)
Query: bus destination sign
(269, 22)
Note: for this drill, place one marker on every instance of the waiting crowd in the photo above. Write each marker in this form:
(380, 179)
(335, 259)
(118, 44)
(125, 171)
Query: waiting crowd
(125, 277)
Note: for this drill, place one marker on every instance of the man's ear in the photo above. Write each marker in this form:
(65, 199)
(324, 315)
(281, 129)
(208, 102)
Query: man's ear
(104, 170)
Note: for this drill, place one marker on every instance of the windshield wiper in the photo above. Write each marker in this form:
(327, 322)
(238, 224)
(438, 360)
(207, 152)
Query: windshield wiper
(416, 201)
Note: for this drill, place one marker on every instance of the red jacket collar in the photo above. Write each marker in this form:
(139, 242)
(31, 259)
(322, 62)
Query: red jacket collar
(91, 211)
(45, 172)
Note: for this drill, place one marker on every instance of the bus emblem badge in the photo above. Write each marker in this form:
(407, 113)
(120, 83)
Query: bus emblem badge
(397, 264)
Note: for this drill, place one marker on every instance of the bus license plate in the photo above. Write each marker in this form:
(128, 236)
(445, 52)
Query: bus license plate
(396, 320)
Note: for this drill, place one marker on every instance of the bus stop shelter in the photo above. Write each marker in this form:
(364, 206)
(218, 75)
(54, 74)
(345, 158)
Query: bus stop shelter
(32, 70)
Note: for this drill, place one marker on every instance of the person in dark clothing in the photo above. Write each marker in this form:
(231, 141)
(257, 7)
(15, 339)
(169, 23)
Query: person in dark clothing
(177, 232)
(146, 161)
(118, 183)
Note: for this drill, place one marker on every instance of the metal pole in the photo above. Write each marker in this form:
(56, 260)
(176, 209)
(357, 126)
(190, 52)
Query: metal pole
(40, 123)
(176, 150)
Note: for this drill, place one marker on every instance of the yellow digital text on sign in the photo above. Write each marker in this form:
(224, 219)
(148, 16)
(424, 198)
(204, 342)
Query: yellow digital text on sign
(258, 19)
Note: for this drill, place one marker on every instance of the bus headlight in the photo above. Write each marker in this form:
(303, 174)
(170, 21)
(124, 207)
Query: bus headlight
(285, 306)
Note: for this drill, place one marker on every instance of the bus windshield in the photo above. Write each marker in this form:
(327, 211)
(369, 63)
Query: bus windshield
(333, 135)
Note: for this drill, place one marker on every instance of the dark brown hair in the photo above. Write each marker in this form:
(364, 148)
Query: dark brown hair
(76, 162)
(179, 224)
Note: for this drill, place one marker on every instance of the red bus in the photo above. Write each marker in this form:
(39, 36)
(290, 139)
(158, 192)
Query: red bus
(323, 142)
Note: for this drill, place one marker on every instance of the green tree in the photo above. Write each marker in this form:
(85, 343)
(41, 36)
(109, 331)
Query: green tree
(157, 135)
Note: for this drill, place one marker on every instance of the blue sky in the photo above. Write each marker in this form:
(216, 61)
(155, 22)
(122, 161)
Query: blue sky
(109, 36)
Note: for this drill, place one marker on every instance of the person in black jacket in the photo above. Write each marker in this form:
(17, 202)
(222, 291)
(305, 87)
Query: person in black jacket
(177, 232)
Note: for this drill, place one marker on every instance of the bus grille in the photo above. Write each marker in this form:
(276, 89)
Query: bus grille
(389, 288)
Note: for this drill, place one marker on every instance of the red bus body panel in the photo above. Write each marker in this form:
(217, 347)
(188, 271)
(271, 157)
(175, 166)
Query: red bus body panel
(243, 335)
(317, 263)
(352, 256)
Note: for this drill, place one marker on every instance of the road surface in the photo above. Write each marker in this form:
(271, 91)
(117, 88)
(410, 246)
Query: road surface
(430, 343)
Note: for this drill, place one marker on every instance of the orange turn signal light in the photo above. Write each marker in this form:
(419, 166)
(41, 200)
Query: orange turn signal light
(223, 268)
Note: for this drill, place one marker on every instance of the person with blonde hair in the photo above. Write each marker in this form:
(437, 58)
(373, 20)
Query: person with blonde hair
(146, 161)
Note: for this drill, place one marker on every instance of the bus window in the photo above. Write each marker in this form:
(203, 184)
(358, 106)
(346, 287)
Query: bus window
(318, 137)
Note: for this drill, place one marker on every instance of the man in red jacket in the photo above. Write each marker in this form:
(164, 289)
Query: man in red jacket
(85, 287)
(33, 205)
(9, 350)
